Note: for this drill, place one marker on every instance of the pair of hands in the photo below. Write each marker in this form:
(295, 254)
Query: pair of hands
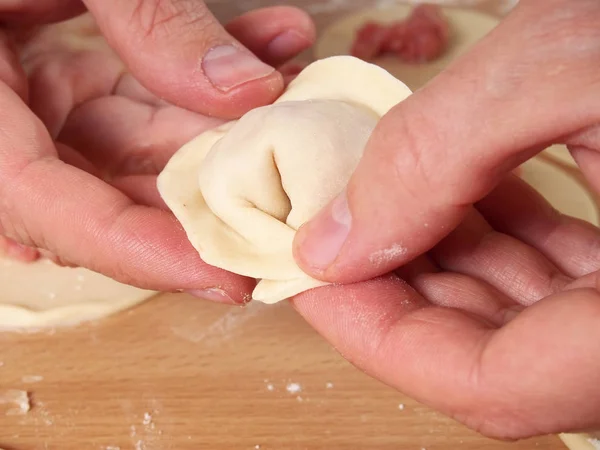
(485, 303)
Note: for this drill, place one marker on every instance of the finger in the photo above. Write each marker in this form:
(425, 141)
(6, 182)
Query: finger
(515, 208)
(96, 226)
(450, 143)
(585, 148)
(11, 72)
(179, 51)
(29, 12)
(19, 252)
(275, 34)
(290, 71)
(141, 189)
(76, 159)
(514, 268)
(500, 382)
(122, 136)
(62, 80)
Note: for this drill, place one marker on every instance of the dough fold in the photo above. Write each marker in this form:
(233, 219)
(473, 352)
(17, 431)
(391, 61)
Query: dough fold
(241, 191)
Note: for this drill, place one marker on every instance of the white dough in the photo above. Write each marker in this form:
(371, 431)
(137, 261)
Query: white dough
(582, 441)
(563, 191)
(466, 28)
(42, 294)
(242, 191)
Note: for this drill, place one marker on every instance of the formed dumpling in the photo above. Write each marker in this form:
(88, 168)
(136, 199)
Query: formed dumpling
(241, 191)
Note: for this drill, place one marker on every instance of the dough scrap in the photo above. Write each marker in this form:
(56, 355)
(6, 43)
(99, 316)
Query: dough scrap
(241, 191)
(41, 294)
(466, 28)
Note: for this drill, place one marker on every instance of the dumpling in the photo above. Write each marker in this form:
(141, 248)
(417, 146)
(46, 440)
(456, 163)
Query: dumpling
(241, 191)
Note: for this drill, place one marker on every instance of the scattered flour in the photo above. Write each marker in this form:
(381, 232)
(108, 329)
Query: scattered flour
(384, 256)
(401, 406)
(270, 387)
(329, 385)
(32, 378)
(293, 388)
(222, 329)
(147, 419)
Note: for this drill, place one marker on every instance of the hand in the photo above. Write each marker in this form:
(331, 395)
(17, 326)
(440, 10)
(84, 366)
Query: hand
(493, 318)
(82, 140)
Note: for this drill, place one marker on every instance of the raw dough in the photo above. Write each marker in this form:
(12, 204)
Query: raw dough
(466, 28)
(582, 441)
(561, 154)
(241, 191)
(563, 191)
(42, 294)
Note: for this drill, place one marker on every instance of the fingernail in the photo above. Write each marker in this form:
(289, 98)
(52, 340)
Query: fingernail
(326, 234)
(214, 295)
(287, 44)
(228, 67)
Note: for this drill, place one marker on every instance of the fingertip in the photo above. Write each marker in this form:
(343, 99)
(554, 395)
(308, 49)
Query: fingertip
(218, 295)
(275, 34)
(319, 242)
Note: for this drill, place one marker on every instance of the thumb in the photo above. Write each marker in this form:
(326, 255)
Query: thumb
(178, 50)
(449, 144)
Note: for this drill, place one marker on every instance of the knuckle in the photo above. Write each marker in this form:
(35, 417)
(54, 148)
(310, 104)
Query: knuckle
(159, 19)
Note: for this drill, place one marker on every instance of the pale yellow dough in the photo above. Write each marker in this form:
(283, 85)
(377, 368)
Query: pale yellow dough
(582, 441)
(42, 294)
(241, 191)
(467, 27)
(565, 193)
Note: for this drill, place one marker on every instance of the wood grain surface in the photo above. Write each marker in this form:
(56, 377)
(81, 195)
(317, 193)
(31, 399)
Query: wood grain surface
(178, 373)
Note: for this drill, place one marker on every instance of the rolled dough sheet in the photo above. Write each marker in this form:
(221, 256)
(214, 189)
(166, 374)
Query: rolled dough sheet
(466, 27)
(582, 441)
(563, 191)
(42, 294)
(561, 154)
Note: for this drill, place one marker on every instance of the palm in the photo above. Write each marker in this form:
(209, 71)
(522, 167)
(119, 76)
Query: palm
(101, 118)
(496, 326)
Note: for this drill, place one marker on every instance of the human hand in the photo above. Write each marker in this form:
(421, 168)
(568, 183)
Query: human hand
(82, 140)
(493, 318)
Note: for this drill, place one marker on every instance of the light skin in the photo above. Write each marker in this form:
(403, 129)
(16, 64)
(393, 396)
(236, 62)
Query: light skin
(82, 140)
(493, 317)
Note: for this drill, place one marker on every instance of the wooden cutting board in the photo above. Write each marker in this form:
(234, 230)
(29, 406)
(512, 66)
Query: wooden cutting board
(177, 373)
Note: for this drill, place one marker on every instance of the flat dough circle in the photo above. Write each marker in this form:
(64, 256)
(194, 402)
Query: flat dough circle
(563, 191)
(582, 441)
(466, 26)
(561, 154)
(42, 294)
